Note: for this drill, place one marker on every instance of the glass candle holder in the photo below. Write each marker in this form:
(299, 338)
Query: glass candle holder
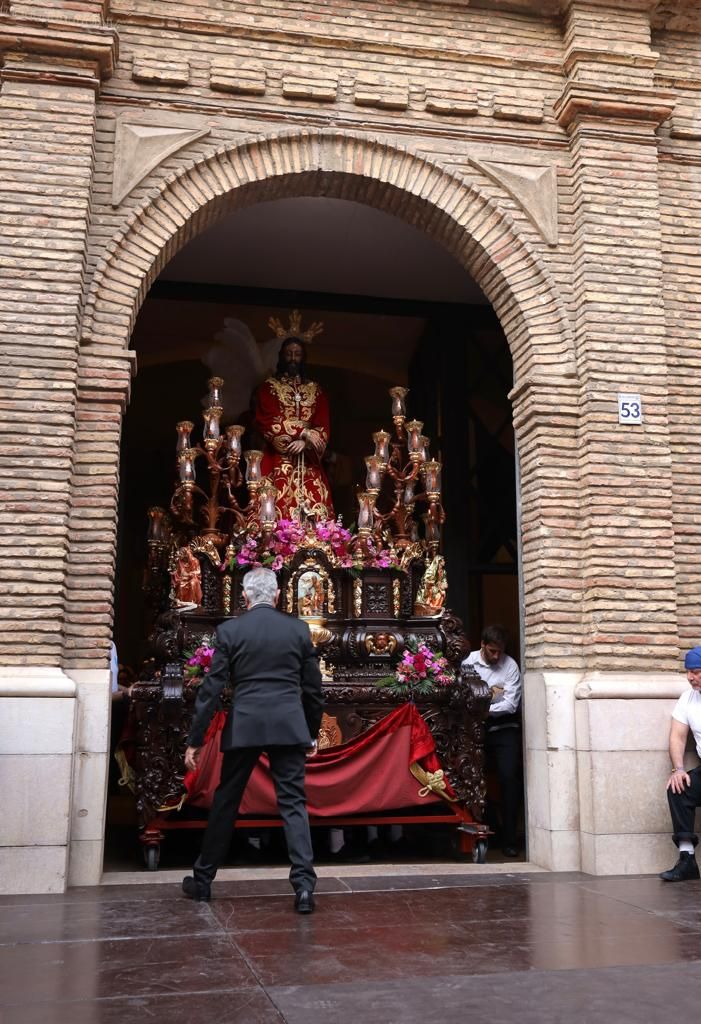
(409, 494)
(233, 441)
(157, 524)
(432, 478)
(374, 474)
(425, 453)
(267, 509)
(398, 407)
(253, 473)
(381, 439)
(211, 423)
(186, 465)
(432, 528)
(414, 438)
(184, 429)
(215, 385)
(366, 512)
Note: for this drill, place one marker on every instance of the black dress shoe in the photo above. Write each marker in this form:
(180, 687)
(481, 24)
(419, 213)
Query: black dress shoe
(304, 902)
(684, 870)
(200, 892)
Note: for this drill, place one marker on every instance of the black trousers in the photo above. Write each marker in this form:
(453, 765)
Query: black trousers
(287, 768)
(683, 806)
(503, 752)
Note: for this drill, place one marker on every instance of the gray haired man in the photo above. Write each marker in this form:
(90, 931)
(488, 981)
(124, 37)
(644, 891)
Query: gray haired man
(270, 662)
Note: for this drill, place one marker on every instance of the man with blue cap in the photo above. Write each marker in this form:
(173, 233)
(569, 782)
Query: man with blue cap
(684, 788)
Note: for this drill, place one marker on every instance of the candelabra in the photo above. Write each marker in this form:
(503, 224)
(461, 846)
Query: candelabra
(404, 472)
(222, 454)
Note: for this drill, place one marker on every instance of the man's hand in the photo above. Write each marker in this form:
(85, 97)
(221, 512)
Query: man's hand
(192, 756)
(313, 750)
(316, 441)
(295, 447)
(678, 781)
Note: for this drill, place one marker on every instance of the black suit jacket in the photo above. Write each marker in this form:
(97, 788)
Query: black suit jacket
(270, 661)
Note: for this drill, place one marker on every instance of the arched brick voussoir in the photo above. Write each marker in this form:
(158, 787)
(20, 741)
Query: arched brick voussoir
(363, 168)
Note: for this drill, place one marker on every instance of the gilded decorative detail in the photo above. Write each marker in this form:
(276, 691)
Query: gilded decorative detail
(380, 643)
(431, 782)
(287, 391)
(434, 585)
(357, 597)
(397, 597)
(206, 546)
(330, 734)
(226, 594)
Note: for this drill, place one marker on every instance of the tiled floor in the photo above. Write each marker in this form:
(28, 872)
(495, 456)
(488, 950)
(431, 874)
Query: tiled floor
(529, 948)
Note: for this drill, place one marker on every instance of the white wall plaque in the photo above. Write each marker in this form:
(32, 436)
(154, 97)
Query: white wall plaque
(630, 409)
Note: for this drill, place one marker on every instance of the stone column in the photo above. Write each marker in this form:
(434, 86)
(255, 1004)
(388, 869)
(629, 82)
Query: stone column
(611, 109)
(49, 79)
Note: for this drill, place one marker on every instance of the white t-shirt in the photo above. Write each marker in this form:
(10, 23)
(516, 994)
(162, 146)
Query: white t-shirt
(505, 676)
(687, 710)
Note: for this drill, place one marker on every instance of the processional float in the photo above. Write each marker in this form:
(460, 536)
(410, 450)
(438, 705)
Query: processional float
(373, 595)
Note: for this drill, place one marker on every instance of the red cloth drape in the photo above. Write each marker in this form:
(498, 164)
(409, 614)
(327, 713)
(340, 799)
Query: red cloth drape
(367, 774)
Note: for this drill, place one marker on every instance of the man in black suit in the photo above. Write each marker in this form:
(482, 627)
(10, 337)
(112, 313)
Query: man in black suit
(276, 707)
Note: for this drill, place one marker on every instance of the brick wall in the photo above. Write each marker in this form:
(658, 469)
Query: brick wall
(678, 42)
(435, 104)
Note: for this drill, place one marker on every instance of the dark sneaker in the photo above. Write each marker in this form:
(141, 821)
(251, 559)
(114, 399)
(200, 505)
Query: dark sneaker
(198, 891)
(684, 870)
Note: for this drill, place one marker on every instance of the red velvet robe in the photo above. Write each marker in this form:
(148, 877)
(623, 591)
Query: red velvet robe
(284, 407)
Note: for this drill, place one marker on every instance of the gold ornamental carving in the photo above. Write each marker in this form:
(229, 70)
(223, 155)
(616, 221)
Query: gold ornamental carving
(357, 597)
(330, 734)
(380, 643)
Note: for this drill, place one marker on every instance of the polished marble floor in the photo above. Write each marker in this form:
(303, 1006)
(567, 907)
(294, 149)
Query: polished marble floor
(533, 948)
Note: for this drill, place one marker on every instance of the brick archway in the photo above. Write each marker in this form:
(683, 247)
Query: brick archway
(456, 214)
(453, 212)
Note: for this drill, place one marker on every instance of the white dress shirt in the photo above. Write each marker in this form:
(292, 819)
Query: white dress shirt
(504, 675)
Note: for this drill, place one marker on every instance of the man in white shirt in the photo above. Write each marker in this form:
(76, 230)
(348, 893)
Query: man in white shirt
(503, 727)
(684, 788)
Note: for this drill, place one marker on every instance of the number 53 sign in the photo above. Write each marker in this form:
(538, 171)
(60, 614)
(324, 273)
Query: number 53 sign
(630, 409)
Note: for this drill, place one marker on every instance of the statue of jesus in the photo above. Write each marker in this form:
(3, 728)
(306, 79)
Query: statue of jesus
(292, 414)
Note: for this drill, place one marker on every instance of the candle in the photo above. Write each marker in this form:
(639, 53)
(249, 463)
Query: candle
(373, 477)
(233, 440)
(211, 423)
(398, 395)
(366, 506)
(266, 504)
(215, 385)
(414, 438)
(381, 439)
(253, 473)
(432, 478)
(186, 465)
(433, 529)
(157, 529)
(184, 429)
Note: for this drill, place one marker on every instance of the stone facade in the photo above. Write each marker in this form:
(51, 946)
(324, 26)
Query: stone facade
(554, 149)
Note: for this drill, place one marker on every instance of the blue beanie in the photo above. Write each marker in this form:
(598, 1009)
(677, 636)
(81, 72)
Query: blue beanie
(693, 658)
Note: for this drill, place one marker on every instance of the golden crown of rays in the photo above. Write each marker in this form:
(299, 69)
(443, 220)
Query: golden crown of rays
(295, 328)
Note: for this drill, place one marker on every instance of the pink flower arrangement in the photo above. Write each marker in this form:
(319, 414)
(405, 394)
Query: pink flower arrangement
(423, 664)
(418, 671)
(289, 535)
(199, 662)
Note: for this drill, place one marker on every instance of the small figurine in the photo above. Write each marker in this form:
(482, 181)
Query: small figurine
(187, 579)
(432, 591)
